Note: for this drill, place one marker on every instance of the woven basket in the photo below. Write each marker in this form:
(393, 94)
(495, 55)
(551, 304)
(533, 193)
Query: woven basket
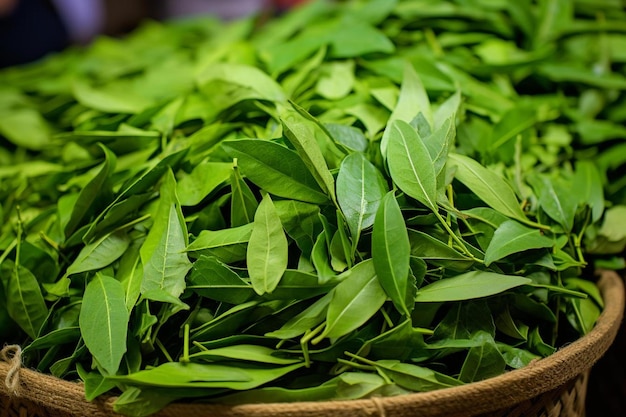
(550, 387)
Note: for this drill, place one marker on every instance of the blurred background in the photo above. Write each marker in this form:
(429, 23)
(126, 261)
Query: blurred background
(30, 29)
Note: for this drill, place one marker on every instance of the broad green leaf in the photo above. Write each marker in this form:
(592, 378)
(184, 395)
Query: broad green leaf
(512, 237)
(467, 286)
(391, 253)
(301, 222)
(245, 76)
(104, 321)
(25, 128)
(204, 179)
(556, 200)
(100, 253)
(410, 164)
(24, 300)
(349, 136)
(483, 361)
(213, 239)
(112, 98)
(301, 133)
(247, 353)
(354, 301)
(243, 202)
(276, 169)
(267, 249)
(488, 186)
(336, 80)
(213, 279)
(360, 189)
(163, 256)
(209, 375)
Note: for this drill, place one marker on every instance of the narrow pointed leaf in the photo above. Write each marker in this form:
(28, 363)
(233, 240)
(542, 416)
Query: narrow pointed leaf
(410, 164)
(512, 237)
(360, 188)
(165, 262)
(267, 249)
(475, 284)
(276, 169)
(243, 204)
(354, 301)
(104, 321)
(25, 302)
(489, 186)
(301, 134)
(391, 252)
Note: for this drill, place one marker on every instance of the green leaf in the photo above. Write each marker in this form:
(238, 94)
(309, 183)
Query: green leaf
(511, 237)
(214, 239)
(589, 185)
(436, 252)
(414, 377)
(354, 301)
(410, 164)
(360, 189)
(205, 178)
(276, 169)
(301, 133)
(112, 98)
(556, 200)
(306, 320)
(95, 383)
(336, 80)
(100, 253)
(104, 321)
(467, 286)
(209, 375)
(483, 361)
(25, 302)
(245, 76)
(163, 256)
(213, 279)
(488, 186)
(243, 202)
(88, 196)
(391, 252)
(267, 249)
(246, 353)
(25, 128)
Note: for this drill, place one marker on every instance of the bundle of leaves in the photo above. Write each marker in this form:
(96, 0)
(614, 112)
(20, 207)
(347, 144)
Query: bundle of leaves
(353, 199)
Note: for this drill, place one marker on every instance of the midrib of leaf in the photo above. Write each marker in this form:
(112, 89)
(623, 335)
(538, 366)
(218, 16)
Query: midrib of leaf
(166, 246)
(239, 195)
(108, 319)
(413, 169)
(267, 250)
(475, 372)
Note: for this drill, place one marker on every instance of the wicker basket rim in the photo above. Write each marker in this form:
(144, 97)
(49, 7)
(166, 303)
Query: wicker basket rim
(480, 397)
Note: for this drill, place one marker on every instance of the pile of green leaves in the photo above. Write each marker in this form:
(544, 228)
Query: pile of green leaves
(353, 199)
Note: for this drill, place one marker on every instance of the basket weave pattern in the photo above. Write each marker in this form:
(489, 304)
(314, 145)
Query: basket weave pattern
(551, 387)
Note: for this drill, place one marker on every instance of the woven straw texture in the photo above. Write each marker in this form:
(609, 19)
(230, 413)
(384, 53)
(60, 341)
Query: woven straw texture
(551, 387)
